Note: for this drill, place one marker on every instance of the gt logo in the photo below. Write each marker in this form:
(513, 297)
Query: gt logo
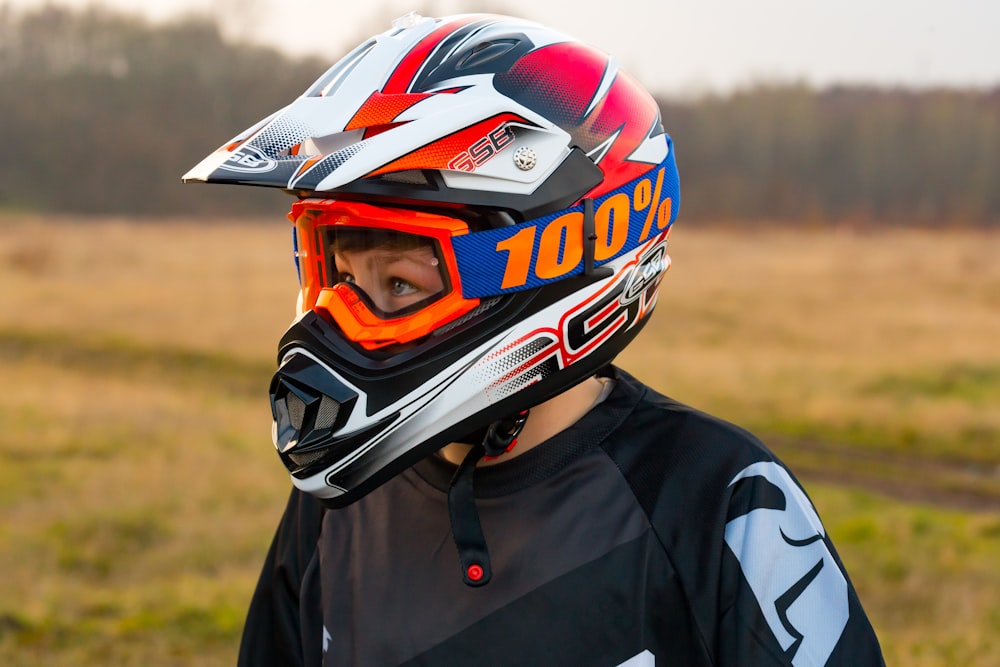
(778, 541)
(247, 159)
(653, 265)
(618, 308)
(483, 150)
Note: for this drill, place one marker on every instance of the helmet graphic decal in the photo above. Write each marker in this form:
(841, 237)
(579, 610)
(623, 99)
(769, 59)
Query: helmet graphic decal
(426, 55)
(382, 109)
(604, 108)
(248, 159)
(442, 153)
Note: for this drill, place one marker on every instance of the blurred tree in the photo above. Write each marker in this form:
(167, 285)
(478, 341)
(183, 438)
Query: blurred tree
(859, 154)
(101, 112)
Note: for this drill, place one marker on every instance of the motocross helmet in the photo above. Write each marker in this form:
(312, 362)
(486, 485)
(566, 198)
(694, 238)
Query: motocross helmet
(482, 213)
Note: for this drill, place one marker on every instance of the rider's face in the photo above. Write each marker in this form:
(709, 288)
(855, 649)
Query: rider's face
(393, 278)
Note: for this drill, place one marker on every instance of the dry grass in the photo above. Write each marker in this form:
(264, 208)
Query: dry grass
(202, 285)
(138, 490)
(885, 338)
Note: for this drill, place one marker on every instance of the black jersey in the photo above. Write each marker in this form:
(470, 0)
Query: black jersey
(647, 533)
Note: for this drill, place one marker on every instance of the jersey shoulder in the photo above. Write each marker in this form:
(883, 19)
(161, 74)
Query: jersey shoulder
(673, 453)
(761, 574)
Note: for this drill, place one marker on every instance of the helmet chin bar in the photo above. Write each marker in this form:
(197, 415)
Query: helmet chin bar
(314, 402)
(308, 406)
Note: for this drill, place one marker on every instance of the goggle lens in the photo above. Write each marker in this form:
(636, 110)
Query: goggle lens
(383, 275)
(395, 271)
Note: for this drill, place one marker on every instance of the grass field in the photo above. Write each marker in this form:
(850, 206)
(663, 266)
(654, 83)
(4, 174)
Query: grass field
(139, 489)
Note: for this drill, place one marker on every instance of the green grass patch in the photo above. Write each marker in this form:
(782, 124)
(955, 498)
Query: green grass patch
(96, 544)
(926, 576)
(110, 628)
(119, 357)
(196, 623)
(977, 445)
(963, 382)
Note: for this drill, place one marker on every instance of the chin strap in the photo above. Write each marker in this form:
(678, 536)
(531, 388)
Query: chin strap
(466, 529)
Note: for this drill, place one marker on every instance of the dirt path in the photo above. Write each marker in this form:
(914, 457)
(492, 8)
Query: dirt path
(940, 482)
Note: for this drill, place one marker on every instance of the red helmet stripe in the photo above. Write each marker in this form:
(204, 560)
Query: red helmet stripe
(382, 109)
(408, 67)
(626, 108)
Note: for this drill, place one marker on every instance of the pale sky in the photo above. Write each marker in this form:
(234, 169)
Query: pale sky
(672, 47)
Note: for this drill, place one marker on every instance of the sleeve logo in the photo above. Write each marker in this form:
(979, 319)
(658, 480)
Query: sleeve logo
(779, 544)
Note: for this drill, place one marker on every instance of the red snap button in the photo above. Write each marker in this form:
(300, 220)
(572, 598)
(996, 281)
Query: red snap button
(475, 572)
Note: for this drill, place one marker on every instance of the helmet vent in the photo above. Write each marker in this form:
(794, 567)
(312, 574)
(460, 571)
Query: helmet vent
(307, 408)
(408, 177)
(296, 410)
(485, 52)
(303, 459)
(326, 415)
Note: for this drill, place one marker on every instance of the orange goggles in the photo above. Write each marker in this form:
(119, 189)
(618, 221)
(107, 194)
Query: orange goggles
(383, 275)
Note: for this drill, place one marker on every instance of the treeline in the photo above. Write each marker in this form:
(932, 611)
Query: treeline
(843, 154)
(101, 112)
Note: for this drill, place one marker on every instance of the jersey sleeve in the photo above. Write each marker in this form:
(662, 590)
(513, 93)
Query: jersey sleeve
(785, 598)
(272, 634)
(758, 574)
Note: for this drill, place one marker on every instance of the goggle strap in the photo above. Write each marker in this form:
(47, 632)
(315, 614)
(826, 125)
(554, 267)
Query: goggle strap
(577, 240)
(590, 244)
